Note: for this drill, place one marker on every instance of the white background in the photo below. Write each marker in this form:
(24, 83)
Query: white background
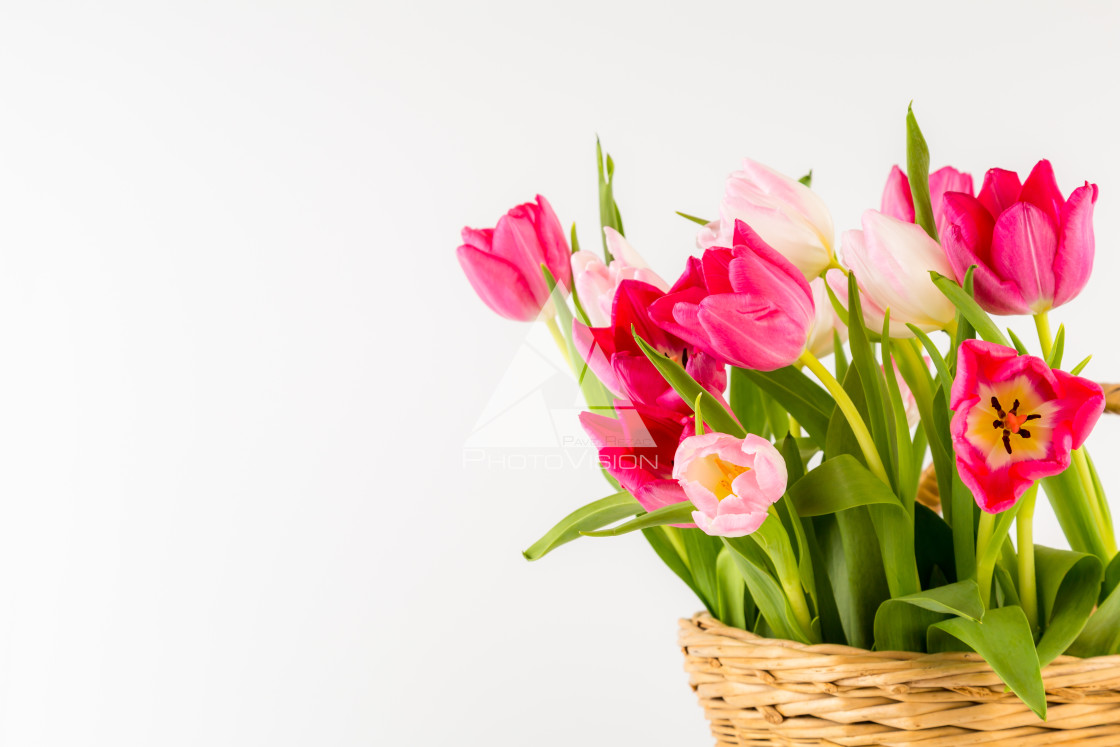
(239, 363)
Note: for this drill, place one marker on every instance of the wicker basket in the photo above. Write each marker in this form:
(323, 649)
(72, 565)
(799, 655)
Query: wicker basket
(760, 691)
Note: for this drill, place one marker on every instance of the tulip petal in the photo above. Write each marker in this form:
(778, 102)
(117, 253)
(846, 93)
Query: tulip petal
(554, 242)
(1041, 190)
(1074, 261)
(750, 332)
(795, 195)
(943, 181)
(499, 284)
(967, 242)
(1024, 244)
(897, 201)
(1000, 191)
(731, 525)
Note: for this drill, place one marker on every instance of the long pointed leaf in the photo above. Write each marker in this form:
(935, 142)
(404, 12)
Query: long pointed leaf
(592, 516)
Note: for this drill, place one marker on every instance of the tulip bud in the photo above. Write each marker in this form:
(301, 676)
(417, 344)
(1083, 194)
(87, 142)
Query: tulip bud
(503, 264)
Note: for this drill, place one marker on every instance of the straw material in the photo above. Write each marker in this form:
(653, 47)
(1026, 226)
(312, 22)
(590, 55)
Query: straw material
(760, 691)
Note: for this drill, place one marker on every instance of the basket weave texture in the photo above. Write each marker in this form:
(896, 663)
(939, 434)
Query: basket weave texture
(762, 691)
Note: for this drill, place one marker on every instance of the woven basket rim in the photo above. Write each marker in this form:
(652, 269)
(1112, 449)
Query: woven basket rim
(709, 624)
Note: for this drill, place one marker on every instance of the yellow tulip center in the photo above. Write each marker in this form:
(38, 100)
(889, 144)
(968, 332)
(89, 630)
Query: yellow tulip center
(724, 474)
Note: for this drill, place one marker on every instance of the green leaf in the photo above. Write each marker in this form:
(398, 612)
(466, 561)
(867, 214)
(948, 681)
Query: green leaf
(674, 374)
(609, 215)
(965, 330)
(1020, 348)
(747, 402)
(765, 590)
(678, 513)
(851, 554)
(1067, 497)
(800, 396)
(667, 543)
(693, 218)
(1111, 577)
(1101, 635)
(838, 484)
(870, 375)
(701, 551)
(807, 180)
(592, 516)
(842, 483)
(1081, 366)
(906, 470)
(901, 624)
(841, 358)
(732, 594)
(971, 310)
(594, 393)
(1054, 360)
(1003, 637)
(933, 545)
(917, 169)
(1068, 585)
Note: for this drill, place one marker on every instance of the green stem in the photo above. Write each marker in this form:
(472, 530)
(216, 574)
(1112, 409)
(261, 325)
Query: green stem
(985, 560)
(561, 343)
(1045, 339)
(1024, 544)
(794, 427)
(844, 402)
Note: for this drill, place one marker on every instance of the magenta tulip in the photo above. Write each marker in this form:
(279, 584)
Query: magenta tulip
(898, 202)
(1033, 250)
(731, 481)
(748, 305)
(1015, 421)
(503, 264)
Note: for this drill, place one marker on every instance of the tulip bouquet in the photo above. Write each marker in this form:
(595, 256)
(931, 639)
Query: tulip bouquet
(793, 495)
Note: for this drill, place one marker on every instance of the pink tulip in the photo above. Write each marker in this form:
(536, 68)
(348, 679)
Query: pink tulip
(1015, 421)
(748, 305)
(891, 260)
(731, 481)
(1032, 248)
(638, 448)
(613, 354)
(898, 202)
(503, 264)
(789, 217)
(597, 283)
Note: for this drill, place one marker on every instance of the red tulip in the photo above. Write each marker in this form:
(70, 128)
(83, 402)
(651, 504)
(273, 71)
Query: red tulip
(639, 447)
(503, 264)
(1015, 420)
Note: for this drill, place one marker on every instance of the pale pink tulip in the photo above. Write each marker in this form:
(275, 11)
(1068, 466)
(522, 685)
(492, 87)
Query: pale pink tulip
(731, 481)
(891, 260)
(788, 216)
(597, 283)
